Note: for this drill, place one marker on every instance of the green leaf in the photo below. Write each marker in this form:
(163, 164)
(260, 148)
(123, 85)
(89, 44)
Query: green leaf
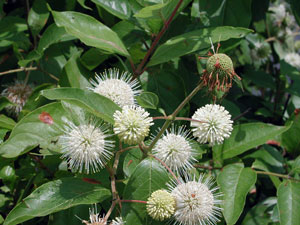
(55, 196)
(289, 203)
(6, 122)
(93, 102)
(4, 102)
(131, 160)
(90, 31)
(93, 58)
(296, 166)
(76, 73)
(296, 10)
(193, 41)
(247, 136)
(235, 182)
(148, 100)
(148, 177)
(119, 8)
(38, 16)
(290, 139)
(31, 131)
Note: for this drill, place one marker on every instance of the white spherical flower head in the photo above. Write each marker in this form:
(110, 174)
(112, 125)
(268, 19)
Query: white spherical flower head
(85, 147)
(132, 124)
(197, 203)
(18, 94)
(121, 89)
(175, 149)
(293, 59)
(214, 124)
(161, 205)
(118, 221)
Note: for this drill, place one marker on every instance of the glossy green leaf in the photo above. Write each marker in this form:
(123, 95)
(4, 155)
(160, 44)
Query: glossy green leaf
(194, 41)
(4, 102)
(148, 177)
(55, 196)
(247, 136)
(119, 8)
(296, 166)
(290, 138)
(82, 3)
(131, 160)
(288, 194)
(93, 58)
(35, 128)
(235, 182)
(93, 102)
(6, 122)
(90, 31)
(148, 100)
(38, 16)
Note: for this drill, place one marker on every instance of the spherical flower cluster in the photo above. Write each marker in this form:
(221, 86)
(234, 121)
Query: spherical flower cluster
(175, 149)
(196, 202)
(214, 124)
(85, 146)
(261, 52)
(121, 89)
(95, 218)
(219, 72)
(161, 205)
(118, 221)
(293, 59)
(18, 94)
(132, 124)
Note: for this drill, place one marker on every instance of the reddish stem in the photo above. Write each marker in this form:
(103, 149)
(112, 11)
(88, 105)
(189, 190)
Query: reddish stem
(137, 201)
(139, 70)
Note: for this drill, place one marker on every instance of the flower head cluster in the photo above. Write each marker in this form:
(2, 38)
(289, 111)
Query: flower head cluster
(161, 205)
(95, 218)
(118, 221)
(196, 202)
(214, 124)
(85, 146)
(279, 13)
(121, 89)
(293, 59)
(261, 52)
(175, 149)
(18, 94)
(132, 124)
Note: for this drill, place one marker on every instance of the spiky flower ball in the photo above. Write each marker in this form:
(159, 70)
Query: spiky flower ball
(197, 202)
(293, 59)
(18, 94)
(214, 124)
(175, 149)
(219, 72)
(95, 218)
(120, 88)
(161, 205)
(132, 124)
(85, 146)
(118, 221)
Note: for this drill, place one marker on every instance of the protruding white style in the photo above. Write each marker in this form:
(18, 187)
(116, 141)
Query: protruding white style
(175, 149)
(85, 146)
(160, 205)
(121, 89)
(132, 124)
(214, 124)
(95, 218)
(197, 202)
(118, 221)
(18, 94)
(293, 59)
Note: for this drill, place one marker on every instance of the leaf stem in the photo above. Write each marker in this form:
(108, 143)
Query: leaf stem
(137, 201)
(18, 70)
(176, 118)
(152, 48)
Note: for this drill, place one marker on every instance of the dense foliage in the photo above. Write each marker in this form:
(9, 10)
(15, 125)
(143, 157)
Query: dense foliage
(215, 83)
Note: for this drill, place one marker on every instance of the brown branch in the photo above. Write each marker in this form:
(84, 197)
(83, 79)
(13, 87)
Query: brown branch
(18, 70)
(152, 48)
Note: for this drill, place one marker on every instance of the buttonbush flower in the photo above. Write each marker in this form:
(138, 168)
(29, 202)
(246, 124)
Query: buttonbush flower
(132, 124)
(197, 202)
(18, 94)
(121, 89)
(85, 146)
(293, 59)
(161, 205)
(175, 149)
(118, 221)
(215, 125)
(95, 218)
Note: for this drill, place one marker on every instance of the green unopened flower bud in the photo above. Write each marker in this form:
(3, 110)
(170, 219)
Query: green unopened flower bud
(161, 205)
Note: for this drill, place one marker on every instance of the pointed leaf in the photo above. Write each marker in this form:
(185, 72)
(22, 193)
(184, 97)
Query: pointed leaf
(6, 122)
(235, 182)
(55, 196)
(119, 8)
(90, 31)
(38, 16)
(148, 100)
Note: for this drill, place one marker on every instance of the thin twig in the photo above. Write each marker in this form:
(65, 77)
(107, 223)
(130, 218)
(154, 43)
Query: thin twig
(176, 118)
(137, 201)
(242, 114)
(49, 74)
(128, 148)
(18, 70)
(152, 48)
